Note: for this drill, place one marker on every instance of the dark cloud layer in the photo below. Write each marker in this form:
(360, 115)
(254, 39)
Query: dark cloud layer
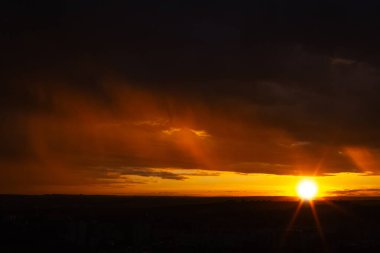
(249, 86)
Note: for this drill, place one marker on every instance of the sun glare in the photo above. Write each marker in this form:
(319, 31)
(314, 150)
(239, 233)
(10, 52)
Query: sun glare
(307, 189)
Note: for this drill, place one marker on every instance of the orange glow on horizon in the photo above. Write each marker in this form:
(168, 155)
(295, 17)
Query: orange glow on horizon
(147, 144)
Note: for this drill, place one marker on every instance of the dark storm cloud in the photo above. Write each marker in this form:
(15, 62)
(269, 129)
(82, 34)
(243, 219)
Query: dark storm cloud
(271, 85)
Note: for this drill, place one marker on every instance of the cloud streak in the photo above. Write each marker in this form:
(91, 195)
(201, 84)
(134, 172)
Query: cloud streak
(357, 192)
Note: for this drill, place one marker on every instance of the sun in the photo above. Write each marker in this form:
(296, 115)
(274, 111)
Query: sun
(307, 189)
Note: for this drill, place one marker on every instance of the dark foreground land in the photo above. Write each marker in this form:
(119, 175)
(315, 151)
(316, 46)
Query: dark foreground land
(183, 224)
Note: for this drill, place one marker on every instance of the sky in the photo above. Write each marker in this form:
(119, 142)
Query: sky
(206, 98)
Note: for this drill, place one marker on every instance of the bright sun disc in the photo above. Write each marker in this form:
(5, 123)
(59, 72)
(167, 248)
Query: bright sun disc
(307, 189)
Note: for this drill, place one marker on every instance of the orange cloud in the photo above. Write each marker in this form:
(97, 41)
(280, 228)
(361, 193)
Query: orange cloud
(82, 140)
(363, 159)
